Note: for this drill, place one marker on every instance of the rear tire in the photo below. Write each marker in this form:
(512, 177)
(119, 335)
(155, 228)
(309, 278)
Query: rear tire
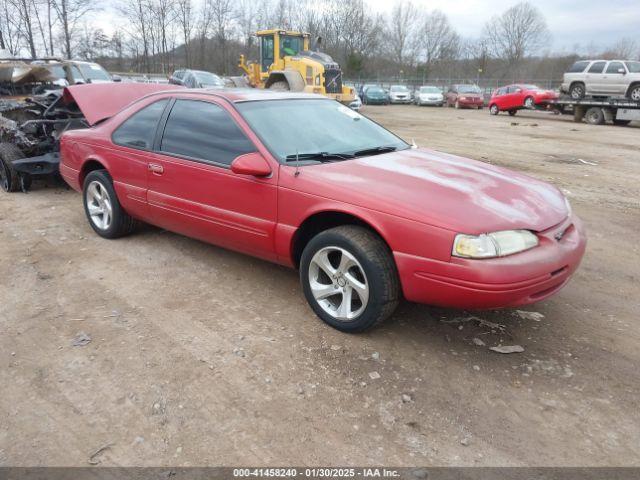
(9, 178)
(595, 116)
(338, 264)
(102, 208)
(634, 93)
(577, 91)
(528, 103)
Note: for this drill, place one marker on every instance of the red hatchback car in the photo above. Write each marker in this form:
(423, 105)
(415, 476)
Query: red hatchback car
(516, 97)
(304, 181)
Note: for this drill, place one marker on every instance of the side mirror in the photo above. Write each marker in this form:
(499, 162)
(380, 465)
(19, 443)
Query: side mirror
(116, 78)
(251, 164)
(622, 71)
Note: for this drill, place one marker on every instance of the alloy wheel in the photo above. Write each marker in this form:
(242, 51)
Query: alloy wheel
(528, 102)
(635, 94)
(338, 283)
(577, 92)
(99, 205)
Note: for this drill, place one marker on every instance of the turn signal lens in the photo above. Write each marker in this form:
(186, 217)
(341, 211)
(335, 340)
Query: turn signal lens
(491, 245)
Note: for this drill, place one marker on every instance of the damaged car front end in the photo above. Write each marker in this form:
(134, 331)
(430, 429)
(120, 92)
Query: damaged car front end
(30, 129)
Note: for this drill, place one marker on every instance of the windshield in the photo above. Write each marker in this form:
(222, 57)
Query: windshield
(93, 71)
(376, 90)
(531, 87)
(399, 88)
(207, 79)
(468, 89)
(57, 71)
(633, 67)
(429, 90)
(290, 45)
(298, 127)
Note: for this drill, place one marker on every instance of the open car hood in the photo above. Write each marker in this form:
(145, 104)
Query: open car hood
(100, 101)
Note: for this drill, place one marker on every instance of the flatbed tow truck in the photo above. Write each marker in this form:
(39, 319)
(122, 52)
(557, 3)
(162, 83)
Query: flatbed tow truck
(598, 110)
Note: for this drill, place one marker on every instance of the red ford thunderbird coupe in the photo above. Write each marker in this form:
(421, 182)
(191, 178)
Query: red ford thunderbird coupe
(304, 181)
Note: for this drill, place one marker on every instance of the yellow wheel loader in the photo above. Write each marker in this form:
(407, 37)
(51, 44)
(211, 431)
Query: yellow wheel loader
(287, 63)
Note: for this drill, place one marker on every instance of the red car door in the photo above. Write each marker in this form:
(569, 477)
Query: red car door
(192, 190)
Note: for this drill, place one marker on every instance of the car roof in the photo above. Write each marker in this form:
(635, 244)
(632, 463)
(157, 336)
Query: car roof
(238, 95)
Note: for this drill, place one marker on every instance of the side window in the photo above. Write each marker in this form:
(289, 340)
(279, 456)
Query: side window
(267, 53)
(139, 130)
(501, 91)
(578, 67)
(513, 89)
(615, 67)
(597, 67)
(204, 131)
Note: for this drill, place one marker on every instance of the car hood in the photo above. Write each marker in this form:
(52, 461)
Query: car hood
(443, 190)
(98, 101)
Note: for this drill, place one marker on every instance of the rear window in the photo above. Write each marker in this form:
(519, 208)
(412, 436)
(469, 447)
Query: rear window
(615, 67)
(139, 130)
(578, 67)
(633, 67)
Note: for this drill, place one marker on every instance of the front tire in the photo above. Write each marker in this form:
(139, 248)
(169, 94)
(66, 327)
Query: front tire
(9, 178)
(349, 278)
(529, 103)
(102, 208)
(280, 86)
(494, 109)
(577, 91)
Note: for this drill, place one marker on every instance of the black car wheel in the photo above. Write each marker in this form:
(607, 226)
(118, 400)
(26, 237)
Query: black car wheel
(9, 178)
(577, 91)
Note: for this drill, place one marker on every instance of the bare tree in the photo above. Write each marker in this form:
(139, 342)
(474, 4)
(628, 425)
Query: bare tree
(625, 48)
(402, 32)
(517, 33)
(438, 40)
(70, 13)
(223, 15)
(185, 14)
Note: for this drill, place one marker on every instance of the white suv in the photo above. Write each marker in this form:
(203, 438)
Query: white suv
(603, 77)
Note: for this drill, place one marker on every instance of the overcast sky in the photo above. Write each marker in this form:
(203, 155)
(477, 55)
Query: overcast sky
(572, 22)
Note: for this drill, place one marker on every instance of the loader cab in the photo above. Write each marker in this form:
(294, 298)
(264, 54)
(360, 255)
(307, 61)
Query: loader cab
(277, 44)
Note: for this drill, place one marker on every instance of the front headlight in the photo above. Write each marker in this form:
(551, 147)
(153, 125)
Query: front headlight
(490, 245)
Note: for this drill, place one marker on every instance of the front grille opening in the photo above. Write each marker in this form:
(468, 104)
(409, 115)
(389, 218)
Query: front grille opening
(333, 80)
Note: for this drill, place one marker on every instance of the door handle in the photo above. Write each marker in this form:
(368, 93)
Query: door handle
(155, 168)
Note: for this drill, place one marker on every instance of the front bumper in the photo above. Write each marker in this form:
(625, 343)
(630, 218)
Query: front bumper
(471, 102)
(377, 101)
(439, 101)
(519, 279)
(401, 100)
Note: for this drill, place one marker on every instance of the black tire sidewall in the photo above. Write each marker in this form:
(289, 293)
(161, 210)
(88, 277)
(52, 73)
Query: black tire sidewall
(371, 269)
(104, 179)
(494, 109)
(575, 87)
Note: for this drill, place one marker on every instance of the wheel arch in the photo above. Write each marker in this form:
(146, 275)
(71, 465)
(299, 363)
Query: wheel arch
(89, 166)
(323, 220)
(292, 77)
(632, 86)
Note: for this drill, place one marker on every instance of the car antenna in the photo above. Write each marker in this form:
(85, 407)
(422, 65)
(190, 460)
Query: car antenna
(297, 172)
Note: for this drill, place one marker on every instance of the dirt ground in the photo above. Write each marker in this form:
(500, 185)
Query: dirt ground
(201, 356)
